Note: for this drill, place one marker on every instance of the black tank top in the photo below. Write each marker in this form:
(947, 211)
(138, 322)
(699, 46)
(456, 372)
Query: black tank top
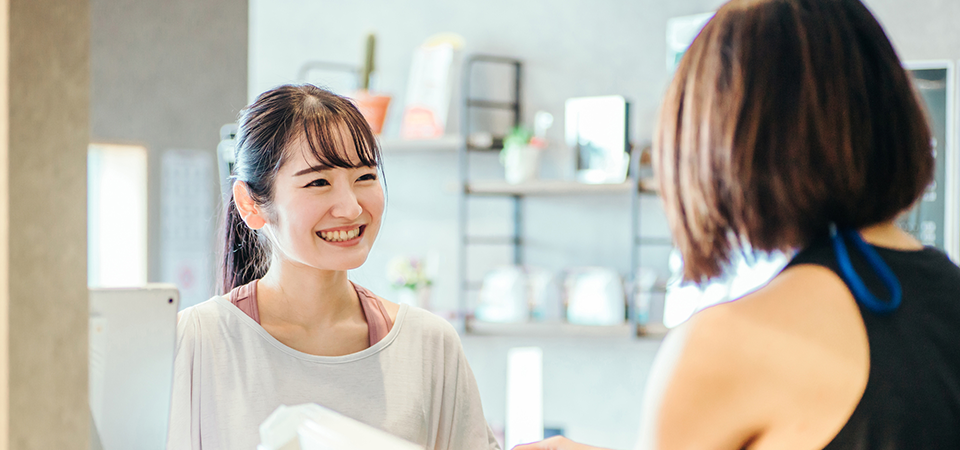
(912, 397)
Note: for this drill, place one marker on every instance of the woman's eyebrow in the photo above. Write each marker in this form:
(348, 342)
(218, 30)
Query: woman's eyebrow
(317, 168)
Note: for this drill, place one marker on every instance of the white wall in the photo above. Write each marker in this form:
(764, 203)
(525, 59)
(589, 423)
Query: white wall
(570, 48)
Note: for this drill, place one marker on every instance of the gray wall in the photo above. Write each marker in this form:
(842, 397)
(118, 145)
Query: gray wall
(44, 328)
(920, 30)
(166, 75)
(570, 48)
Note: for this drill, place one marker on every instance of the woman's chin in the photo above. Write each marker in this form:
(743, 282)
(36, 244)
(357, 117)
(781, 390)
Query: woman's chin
(343, 264)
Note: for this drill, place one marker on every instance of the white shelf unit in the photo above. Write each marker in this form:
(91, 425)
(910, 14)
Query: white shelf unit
(469, 188)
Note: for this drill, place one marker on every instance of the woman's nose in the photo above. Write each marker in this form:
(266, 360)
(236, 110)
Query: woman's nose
(346, 205)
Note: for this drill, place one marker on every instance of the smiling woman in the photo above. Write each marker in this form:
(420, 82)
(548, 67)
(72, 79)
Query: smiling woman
(320, 215)
(290, 327)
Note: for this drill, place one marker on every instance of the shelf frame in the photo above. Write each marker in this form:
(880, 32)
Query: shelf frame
(469, 103)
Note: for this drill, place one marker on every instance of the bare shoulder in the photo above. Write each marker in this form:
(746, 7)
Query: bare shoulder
(391, 307)
(806, 307)
(798, 341)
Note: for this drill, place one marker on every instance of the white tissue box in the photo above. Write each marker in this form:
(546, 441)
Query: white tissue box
(313, 427)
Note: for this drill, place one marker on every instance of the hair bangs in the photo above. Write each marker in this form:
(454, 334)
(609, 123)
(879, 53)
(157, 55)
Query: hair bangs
(327, 129)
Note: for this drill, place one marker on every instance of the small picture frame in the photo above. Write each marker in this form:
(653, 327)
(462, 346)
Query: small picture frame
(597, 129)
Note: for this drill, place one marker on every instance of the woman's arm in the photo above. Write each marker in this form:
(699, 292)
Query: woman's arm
(689, 400)
(462, 424)
(701, 389)
(556, 443)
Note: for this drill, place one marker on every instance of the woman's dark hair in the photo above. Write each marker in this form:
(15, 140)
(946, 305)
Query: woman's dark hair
(267, 128)
(785, 116)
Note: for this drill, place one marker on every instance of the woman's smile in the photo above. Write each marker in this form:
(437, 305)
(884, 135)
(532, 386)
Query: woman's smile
(343, 236)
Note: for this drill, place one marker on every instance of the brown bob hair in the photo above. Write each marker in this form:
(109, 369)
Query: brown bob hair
(785, 116)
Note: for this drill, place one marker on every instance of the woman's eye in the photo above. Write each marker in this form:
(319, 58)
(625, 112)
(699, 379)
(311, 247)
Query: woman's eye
(318, 182)
(368, 177)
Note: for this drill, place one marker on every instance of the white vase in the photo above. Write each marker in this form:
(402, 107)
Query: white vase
(521, 163)
(407, 296)
(415, 297)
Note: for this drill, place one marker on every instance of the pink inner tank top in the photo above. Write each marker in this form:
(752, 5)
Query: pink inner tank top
(378, 321)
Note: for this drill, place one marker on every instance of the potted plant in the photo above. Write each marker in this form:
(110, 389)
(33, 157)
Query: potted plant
(372, 106)
(412, 279)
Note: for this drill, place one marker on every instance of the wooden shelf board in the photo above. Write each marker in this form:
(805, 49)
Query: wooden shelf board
(652, 331)
(543, 187)
(649, 185)
(547, 187)
(548, 329)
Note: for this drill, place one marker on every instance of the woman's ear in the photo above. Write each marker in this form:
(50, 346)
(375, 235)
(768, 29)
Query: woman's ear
(248, 209)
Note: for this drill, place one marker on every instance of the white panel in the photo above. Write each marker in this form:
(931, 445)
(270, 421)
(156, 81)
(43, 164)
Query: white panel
(117, 216)
(951, 221)
(524, 396)
(951, 239)
(132, 345)
(949, 229)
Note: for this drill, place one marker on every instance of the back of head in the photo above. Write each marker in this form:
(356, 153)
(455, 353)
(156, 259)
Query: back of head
(267, 128)
(785, 116)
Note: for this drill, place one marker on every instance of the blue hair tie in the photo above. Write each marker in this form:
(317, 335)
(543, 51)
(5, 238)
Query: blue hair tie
(855, 283)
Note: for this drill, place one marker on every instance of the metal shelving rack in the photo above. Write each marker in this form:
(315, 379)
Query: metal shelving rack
(468, 104)
(516, 192)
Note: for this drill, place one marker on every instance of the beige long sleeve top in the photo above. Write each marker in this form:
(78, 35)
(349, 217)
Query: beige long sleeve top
(230, 374)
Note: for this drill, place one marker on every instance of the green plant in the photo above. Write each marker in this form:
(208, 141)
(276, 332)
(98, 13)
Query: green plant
(409, 273)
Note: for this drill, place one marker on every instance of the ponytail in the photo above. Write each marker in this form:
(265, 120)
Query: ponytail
(244, 257)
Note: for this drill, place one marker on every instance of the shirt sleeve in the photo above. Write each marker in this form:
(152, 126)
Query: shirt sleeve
(462, 423)
(184, 428)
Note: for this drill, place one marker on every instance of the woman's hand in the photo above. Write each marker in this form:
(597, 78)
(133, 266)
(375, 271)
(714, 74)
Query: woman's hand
(555, 443)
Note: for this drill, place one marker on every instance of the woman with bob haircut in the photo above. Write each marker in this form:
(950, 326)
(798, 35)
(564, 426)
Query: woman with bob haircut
(290, 327)
(790, 125)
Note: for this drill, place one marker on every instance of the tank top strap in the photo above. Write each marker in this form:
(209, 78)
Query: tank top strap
(378, 320)
(245, 298)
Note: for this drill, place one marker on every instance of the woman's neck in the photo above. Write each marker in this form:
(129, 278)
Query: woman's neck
(889, 235)
(305, 297)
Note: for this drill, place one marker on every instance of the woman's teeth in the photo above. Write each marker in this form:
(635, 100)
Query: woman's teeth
(340, 236)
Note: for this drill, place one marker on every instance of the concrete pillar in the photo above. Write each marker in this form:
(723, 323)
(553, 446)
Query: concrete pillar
(4, 224)
(43, 292)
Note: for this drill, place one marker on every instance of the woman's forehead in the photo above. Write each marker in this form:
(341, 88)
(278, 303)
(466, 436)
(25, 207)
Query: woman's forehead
(300, 152)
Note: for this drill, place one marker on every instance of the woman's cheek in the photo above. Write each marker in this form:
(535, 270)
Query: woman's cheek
(307, 211)
(375, 202)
